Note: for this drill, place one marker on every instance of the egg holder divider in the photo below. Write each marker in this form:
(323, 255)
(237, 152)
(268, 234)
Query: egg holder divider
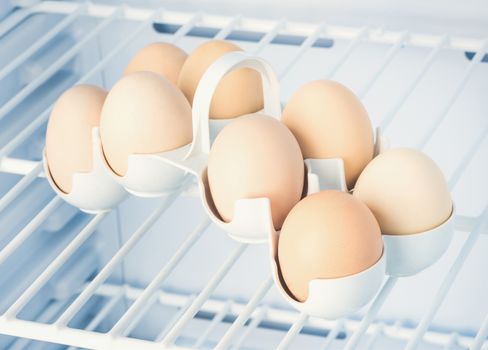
(151, 175)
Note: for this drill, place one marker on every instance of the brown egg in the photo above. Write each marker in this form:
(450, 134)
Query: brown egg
(69, 133)
(161, 58)
(329, 121)
(144, 113)
(406, 191)
(239, 92)
(328, 234)
(253, 157)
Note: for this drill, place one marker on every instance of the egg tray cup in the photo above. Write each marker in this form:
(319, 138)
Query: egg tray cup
(331, 298)
(94, 191)
(409, 254)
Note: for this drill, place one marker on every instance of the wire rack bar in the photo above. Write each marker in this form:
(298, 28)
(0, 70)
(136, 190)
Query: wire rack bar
(30, 228)
(203, 296)
(138, 317)
(447, 283)
(25, 133)
(332, 335)
(17, 166)
(458, 172)
(104, 311)
(216, 320)
(390, 115)
(245, 314)
(256, 320)
(481, 335)
(73, 337)
(347, 52)
(370, 344)
(156, 282)
(19, 187)
(46, 315)
(297, 28)
(452, 341)
(384, 63)
(185, 28)
(453, 97)
(214, 306)
(107, 270)
(304, 47)
(222, 34)
(293, 331)
(13, 20)
(269, 36)
(54, 265)
(175, 318)
(58, 28)
(371, 313)
(58, 64)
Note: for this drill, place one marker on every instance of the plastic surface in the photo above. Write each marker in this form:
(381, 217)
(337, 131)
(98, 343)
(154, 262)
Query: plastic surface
(407, 255)
(325, 174)
(92, 192)
(147, 176)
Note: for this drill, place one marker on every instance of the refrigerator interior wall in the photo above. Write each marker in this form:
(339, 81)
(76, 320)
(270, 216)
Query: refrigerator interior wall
(440, 115)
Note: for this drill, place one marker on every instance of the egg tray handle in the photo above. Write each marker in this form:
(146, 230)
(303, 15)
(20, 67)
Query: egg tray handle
(209, 83)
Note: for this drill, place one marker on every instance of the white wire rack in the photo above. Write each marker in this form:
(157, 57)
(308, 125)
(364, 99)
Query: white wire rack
(241, 318)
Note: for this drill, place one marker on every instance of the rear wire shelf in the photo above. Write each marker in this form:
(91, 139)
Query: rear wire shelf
(237, 322)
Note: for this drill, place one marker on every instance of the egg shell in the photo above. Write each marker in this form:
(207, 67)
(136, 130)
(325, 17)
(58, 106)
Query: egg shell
(69, 133)
(161, 58)
(406, 191)
(240, 92)
(144, 113)
(329, 121)
(255, 156)
(329, 234)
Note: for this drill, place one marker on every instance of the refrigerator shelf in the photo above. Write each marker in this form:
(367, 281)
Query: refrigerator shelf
(218, 322)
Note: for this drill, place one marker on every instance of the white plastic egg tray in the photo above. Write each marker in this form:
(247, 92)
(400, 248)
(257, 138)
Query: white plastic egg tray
(107, 281)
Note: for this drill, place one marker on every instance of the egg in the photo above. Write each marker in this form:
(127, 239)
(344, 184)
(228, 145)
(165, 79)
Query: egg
(69, 133)
(406, 191)
(255, 156)
(161, 58)
(239, 92)
(144, 113)
(329, 121)
(329, 234)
